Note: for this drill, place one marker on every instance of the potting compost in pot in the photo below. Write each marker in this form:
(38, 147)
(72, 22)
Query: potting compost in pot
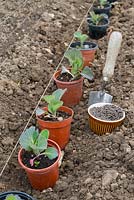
(107, 112)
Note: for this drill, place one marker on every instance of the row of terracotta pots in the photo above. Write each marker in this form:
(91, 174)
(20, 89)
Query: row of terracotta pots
(59, 131)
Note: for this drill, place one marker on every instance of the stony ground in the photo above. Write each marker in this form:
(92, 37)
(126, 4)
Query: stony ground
(34, 36)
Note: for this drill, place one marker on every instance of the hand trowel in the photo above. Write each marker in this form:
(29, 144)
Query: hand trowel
(108, 71)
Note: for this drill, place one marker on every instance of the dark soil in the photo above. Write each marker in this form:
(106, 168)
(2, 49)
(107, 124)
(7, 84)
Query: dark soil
(59, 114)
(107, 112)
(43, 161)
(93, 167)
(65, 77)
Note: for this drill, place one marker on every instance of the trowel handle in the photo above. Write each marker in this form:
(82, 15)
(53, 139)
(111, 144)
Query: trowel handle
(112, 53)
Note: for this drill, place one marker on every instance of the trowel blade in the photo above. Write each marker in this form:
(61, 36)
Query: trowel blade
(99, 97)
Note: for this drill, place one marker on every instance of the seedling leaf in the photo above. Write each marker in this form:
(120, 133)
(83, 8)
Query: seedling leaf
(27, 138)
(51, 153)
(59, 93)
(45, 133)
(53, 107)
(87, 73)
(96, 18)
(75, 59)
(82, 37)
(77, 34)
(12, 197)
(39, 111)
(48, 98)
(54, 100)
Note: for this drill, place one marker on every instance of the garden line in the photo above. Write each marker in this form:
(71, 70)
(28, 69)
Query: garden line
(44, 92)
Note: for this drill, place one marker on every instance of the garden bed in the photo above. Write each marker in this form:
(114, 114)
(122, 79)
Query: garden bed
(89, 161)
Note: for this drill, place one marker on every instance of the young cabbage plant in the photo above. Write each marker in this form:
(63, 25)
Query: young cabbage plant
(103, 3)
(12, 197)
(96, 18)
(54, 103)
(75, 59)
(37, 143)
(81, 37)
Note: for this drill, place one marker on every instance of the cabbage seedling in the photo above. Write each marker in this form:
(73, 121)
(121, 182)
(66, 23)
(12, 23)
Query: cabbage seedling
(75, 59)
(37, 143)
(103, 3)
(12, 197)
(96, 18)
(81, 37)
(54, 103)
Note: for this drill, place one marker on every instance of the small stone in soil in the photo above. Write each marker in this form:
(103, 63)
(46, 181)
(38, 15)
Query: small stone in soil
(107, 112)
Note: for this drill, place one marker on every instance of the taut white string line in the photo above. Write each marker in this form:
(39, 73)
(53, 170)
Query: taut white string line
(43, 94)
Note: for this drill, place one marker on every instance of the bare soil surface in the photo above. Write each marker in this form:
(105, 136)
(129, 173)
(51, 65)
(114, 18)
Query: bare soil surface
(93, 167)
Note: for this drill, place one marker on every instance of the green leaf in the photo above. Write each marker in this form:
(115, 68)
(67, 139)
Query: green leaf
(35, 135)
(81, 37)
(76, 60)
(77, 34)
(32, 140)
(87, 73)
(84, 38)
(27, 139)
(12, 197)
(96, 18)
(59, 93)
(48, 98)
(44, 133)
(42, 141)
(51, 153)
(53, 107)
(39, 111)
(103, 2)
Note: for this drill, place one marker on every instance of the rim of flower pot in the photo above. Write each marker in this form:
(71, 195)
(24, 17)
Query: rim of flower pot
(43, 169)
(82, 49)
(102, 104)
(19, 193)
(67, 83)
(103, 25)
(63, 121)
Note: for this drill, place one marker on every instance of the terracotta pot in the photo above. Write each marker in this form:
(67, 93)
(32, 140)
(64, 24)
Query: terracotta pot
(41, 179)
(101, 127)
(58, 131)
(22, 195)
(88, 54)
(74, 90)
